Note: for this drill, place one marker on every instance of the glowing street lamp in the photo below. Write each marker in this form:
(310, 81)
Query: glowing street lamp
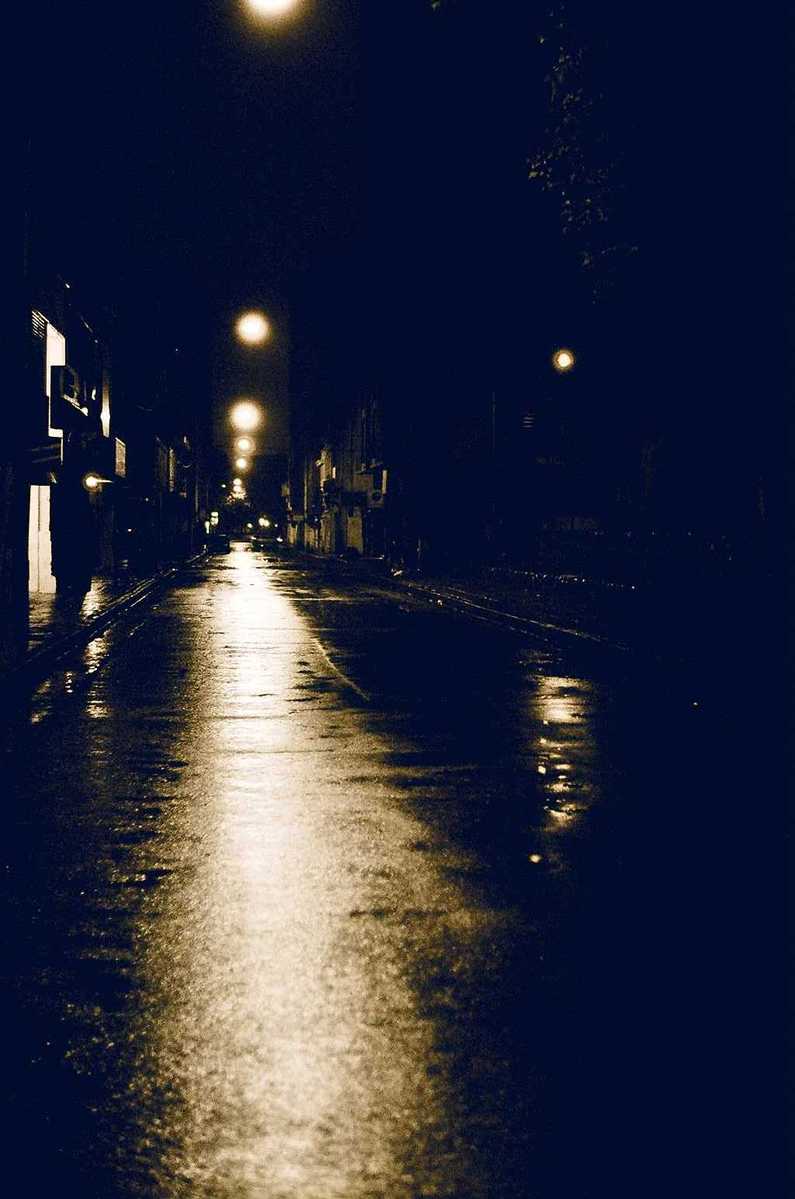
(563, 360)
(246, 416)
(264, 523)
(252, 328)
(93, 482)
(244, 444)
(242, 463)
(271, 8)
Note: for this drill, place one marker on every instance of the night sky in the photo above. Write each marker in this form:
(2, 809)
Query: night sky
(209, 162)
(205, 160)
(361, 173)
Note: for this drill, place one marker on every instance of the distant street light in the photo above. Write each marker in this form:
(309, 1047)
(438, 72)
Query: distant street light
(563, 360)
(253, 328)
(246, 416)
(244, 444)
(237, 483)
(242, 463)
(93, 482)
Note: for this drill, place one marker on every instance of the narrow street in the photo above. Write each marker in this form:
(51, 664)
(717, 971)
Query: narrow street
(314, 891)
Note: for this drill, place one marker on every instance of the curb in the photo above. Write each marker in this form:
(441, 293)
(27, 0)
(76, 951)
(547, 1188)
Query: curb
(468, 607)
(35, 664)
(511, 620)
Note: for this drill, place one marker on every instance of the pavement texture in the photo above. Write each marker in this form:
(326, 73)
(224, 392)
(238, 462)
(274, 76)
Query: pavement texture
(314, 890)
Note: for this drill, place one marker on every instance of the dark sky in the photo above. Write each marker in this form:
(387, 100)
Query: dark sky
(201, 161)
(201, 144)
(188, 161)
(361, 173)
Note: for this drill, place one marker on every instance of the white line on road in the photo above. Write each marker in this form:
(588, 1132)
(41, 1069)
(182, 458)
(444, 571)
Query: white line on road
(348, 682)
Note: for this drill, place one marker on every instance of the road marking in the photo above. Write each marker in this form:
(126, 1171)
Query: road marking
(348, 682)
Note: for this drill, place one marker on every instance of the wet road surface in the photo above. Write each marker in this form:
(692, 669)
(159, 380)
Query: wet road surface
(315, 892)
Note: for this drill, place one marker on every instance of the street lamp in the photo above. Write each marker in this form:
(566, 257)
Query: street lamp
(271, 8)
(93, 482)
(563, 360)
(244, 444)
(242, 463)
(253, 328)
(246, 416)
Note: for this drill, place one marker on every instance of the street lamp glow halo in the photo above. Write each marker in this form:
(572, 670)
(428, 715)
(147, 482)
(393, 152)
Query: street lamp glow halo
(244, 444)
(563, 359)
(93, 481)
(271, 8)
(246, 416)
(242, 463)
(253, 328)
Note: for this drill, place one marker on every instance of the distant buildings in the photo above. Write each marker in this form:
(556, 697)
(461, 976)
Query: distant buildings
(337, 495)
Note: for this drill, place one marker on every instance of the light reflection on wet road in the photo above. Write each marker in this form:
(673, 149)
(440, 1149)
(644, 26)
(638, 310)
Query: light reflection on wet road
(295, 881)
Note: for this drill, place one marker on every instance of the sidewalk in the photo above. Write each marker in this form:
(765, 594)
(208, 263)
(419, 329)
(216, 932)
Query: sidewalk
(60, 622)
(675, 621)
(572, 607)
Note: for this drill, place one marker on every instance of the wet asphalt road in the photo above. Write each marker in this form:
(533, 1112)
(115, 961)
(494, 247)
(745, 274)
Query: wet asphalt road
(314, 892)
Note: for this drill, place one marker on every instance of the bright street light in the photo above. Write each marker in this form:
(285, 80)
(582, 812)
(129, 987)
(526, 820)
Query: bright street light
(93, 482)
(253, 328)
(242, 463)
(264, 523)
(244, 444)
(563, 360)
(271, 8)
(245, 416)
